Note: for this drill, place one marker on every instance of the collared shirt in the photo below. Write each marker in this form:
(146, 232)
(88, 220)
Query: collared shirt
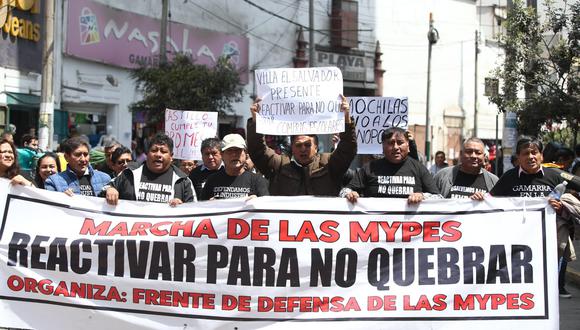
(205, 168)
(521, 170)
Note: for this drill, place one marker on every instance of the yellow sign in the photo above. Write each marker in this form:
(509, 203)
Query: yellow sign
(20, 27)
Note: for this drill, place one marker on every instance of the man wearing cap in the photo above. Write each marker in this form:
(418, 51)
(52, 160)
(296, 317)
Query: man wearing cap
(157, 180)
(307, 172)
(235, 181)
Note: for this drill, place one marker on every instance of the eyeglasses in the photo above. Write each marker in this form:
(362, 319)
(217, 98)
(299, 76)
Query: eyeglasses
(10, 152)
(123, 161)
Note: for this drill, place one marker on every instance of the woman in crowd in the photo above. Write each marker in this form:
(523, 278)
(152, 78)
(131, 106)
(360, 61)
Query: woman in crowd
(9, 168)
(121, 158)
(47, 165)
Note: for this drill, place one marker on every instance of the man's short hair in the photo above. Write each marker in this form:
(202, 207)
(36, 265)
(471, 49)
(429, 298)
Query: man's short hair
(161, 139)
(389, 132)
(440, 153)
(112, 144)
(211, 143)
(313, 136)
(73, 144)
(27, 138)
(472, 139)
(118, 152)
(565, 153)
(526, 141)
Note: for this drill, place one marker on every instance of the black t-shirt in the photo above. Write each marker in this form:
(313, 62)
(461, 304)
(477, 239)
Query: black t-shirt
(380, 178)
(222, 186)
(526, 185)
(466, 185)
(85, 185)
(155, 187)
(198, 177)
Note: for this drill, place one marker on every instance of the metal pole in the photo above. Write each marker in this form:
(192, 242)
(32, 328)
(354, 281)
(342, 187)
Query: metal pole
(497, 144)
(475, 86)
(311, 33)
(46, 111)
(163, 34)
(432, 37)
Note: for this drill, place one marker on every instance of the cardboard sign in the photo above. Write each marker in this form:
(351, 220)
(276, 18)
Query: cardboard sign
(188, 129)
(373, 115)
(299, 101)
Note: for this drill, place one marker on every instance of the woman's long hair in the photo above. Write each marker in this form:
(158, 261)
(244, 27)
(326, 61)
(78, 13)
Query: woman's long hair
(38, 182)
(13, 170)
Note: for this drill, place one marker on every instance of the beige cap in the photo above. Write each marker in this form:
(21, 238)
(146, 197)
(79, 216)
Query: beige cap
(233, 141)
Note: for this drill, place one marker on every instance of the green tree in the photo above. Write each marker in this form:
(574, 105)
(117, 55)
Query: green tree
(184, 85)
(542, 59)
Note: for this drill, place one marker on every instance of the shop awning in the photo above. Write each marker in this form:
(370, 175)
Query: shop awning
(21, 99)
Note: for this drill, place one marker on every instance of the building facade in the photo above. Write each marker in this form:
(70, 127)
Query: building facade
(455, 92)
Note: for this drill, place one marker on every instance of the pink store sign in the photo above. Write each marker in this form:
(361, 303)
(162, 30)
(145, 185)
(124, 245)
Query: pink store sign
(103, 34)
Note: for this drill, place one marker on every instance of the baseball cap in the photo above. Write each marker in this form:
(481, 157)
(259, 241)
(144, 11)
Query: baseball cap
(233, 141)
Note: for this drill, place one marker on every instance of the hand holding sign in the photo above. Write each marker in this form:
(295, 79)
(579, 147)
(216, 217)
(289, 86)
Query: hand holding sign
(344, 107)
(299, 101)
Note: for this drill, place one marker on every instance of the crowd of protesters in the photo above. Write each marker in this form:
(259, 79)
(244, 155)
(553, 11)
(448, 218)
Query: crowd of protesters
(238, 168)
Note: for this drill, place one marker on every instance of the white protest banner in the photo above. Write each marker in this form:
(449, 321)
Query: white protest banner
(299, 101)
(188, 129)
(373, 115)
(272, 262)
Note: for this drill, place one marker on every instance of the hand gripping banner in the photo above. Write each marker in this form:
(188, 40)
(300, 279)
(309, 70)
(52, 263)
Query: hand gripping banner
(274, 262)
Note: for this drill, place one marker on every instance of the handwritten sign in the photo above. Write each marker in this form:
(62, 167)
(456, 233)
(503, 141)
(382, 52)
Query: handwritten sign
(373, 115)
(299, 101)
(188, 129)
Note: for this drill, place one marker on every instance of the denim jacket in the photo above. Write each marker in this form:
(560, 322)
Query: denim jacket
(68, 179)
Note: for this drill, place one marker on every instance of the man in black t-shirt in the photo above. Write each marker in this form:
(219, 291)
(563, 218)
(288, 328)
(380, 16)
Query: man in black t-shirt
(529, 179)
(235, 181)
(468, 179)
(157, 180)
(211, 157)
(396, 175)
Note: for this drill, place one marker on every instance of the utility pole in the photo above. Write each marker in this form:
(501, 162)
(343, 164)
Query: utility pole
(432, 37)
(475, 86)
(311, 33)
(163, 34)
(46, 112)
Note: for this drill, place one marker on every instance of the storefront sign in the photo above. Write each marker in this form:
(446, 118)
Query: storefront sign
(21, 24)
(353, 67)
(94, 30)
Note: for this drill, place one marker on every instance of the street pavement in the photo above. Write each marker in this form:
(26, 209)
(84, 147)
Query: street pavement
(570, 308)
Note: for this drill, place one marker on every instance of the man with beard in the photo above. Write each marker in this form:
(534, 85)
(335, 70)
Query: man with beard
(395, 175)
(157, 180)
(468, 179)
(235, 181)
(79, 178)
